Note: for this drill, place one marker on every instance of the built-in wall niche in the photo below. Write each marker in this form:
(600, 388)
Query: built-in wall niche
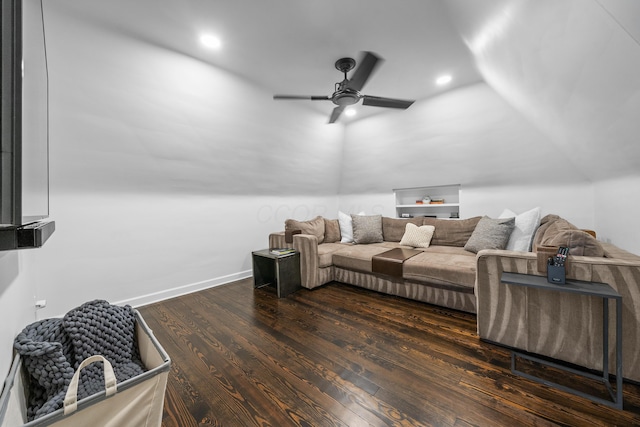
(24, 127)
(438, 201)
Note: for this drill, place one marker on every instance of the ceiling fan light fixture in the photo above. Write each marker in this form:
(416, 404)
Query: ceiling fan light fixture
(346, 97)
(350, 112)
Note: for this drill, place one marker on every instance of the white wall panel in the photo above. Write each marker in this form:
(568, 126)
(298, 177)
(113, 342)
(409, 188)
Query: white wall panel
(572, 201)
(140, 248)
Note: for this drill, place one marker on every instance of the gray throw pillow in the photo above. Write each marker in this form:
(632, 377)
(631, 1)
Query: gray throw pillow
(490, 234)
(367, 228)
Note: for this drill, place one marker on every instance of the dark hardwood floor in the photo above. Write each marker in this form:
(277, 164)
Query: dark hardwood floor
(344, 356)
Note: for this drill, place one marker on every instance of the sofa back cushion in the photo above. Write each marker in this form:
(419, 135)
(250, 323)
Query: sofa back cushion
(545, 222)
(393, 228)
(452, 232)
(314, 227)
(331, 231)
(556, 231)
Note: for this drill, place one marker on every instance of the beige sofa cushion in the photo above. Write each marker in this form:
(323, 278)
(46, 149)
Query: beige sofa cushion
(326, 251)
(314, 227)
(393, 228)
(556, 231)
(331, 231)
(452, 232)
(450, 266)
(357, 257)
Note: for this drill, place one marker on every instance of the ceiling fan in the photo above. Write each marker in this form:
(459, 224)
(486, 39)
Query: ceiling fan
(347, 92)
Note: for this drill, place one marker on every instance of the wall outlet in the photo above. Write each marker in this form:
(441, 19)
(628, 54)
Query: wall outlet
(41, 303)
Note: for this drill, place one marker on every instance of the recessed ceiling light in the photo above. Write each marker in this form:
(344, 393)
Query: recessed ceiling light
(443, 80)
(350, 112)
(210, 41)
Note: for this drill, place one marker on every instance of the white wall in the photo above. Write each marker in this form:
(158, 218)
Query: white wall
(17, 299)
(617, 203)
(140, 248)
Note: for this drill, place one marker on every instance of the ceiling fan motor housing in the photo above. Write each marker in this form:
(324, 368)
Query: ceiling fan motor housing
(347, 92)
(346, 97)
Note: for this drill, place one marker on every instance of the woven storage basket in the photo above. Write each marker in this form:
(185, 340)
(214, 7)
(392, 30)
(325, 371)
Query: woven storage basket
(137, 402)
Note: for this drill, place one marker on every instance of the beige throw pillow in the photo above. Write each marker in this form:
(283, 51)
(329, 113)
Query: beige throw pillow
(417, 237)
(452, 232)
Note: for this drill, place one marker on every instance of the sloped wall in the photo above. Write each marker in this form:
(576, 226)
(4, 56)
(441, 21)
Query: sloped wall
(570, 68)
(469, 136)
(466, 136)
(160, 176)
(165, 173)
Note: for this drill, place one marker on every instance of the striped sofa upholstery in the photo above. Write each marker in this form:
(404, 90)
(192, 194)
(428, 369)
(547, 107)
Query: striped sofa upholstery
(562, 326)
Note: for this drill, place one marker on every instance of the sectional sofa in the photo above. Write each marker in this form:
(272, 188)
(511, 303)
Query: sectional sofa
(459, 267)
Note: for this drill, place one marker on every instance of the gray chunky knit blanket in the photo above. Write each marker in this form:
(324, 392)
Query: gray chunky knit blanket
(52, 350)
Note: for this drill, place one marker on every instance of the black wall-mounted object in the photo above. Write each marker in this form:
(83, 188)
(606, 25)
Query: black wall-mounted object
(24, 144)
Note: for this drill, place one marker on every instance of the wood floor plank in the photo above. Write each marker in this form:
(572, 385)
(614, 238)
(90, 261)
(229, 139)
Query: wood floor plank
(345, 356)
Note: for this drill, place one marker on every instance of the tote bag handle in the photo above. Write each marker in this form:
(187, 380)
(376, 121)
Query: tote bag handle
(110, 383)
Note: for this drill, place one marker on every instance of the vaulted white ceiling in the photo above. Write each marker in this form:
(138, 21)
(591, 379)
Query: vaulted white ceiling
(289, 46)
(556, 80)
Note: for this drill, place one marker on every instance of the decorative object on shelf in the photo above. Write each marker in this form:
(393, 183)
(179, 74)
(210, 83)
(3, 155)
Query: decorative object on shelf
(437, 201)
(426, 200)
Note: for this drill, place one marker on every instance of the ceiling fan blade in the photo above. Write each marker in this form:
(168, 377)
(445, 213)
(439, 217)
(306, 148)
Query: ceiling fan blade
(311, 98)
(336, 113)
(364, 70)
(377, 101)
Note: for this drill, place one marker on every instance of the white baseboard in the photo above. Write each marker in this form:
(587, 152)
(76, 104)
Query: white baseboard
(185, 289)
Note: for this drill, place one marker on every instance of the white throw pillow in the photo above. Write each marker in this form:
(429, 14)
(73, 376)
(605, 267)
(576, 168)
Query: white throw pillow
(346, 227)
(526, 225)
(417, 237)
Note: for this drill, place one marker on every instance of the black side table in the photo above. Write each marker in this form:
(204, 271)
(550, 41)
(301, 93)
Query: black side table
(279, 271)
(601, 290)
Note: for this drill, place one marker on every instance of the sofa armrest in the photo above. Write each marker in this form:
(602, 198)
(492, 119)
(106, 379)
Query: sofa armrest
(556, 324)
(277, 240)
(307, 245)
